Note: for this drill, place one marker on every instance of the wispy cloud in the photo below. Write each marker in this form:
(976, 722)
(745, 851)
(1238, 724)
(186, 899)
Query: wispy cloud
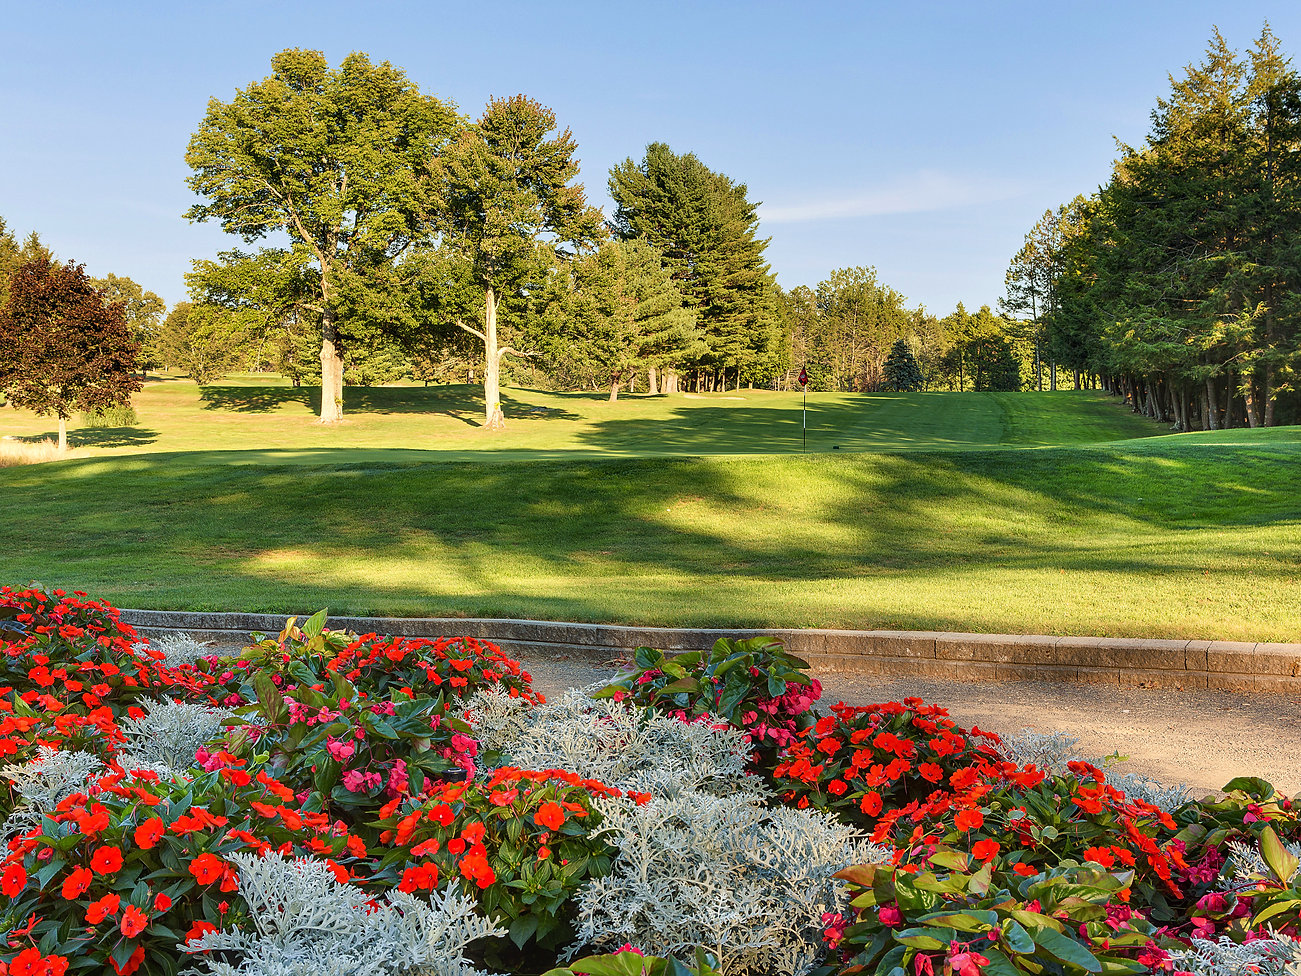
(925, 190)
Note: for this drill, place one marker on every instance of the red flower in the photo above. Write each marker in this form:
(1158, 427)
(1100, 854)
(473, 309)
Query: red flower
(13, 880)
(106, 860)
(77, 883)
(969, 819)
(133, 922)
(162, 902)
(207, 868)
(550, 815)
(149, 832)
(871, 804)
(30, 962)
(984, 850)
(102, 908)
(931, 772)
(1100, 855)
(837, 787)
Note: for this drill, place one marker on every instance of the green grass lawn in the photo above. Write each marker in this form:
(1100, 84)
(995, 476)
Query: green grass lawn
(254, 414)
(940, 511)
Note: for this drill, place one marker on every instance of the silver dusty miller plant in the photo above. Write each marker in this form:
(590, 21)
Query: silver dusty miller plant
(723, 873)
(170, 733)
(44, 782)
(1276, 956)
(617, 743)
(1245, 862)
(1051, 751)
(307, 923)
(178, 648)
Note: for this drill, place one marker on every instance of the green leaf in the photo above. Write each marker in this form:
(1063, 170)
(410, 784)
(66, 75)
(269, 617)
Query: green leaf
(1018, 939)
(1276, 908)
(1253, 786)
(273, 703)
(999, 964)
(971, 920)
(522, 929)
(1280, 862)
(689, 685)
(647, 657)
(776, 686)
(926, 937)
(1067, 950)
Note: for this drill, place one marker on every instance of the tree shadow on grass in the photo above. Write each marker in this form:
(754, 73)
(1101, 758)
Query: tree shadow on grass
(106, 437)
(259, 399)
(458, 401)
(606, 530)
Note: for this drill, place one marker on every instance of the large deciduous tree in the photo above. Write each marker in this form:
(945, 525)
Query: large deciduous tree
(337, 159)
(144, 313)
(63, 348)
(509, 208)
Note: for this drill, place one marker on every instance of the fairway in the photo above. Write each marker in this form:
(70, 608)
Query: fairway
(940, 511)
(263, 414)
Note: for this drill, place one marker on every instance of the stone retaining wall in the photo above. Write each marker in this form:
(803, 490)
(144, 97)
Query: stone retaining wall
(1217, 665)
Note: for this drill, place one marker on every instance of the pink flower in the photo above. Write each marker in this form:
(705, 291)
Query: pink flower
(1213, 902)
(340, 752)
(354, 781)
(966, 963)
(629, 947)
(890, 915)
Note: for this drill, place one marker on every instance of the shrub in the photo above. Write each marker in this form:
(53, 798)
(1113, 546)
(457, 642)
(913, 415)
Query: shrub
(748, 884)
(116, 415)
(954, 917)
(342, 751)
(622, 746)
(523, 838)
(119, 874)
(306, 922)
(753, 684)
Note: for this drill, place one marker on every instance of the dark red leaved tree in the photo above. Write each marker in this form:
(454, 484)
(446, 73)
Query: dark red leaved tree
(62, 347)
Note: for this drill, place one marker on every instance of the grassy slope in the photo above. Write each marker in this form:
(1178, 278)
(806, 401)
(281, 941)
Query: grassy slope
(1190, 536)
(176, 416)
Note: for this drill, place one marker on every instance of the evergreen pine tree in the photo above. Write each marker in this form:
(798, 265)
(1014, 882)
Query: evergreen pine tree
(707, 230)
(902, 374)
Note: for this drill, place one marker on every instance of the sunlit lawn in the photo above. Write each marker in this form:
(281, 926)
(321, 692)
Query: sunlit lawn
(941, 526)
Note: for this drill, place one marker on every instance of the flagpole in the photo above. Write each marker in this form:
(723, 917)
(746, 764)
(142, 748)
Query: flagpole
(804, 422)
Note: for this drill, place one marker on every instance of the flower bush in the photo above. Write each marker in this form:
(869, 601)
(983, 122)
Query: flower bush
(752, 684)
(521, 839)
(159, 804)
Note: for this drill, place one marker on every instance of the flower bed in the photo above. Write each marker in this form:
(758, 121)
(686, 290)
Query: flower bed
(327, 799)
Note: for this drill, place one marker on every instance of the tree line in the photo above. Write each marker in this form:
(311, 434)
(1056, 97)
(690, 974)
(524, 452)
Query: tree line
(1178, 283)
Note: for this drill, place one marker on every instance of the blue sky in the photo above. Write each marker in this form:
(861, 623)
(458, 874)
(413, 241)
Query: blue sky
(921, 138)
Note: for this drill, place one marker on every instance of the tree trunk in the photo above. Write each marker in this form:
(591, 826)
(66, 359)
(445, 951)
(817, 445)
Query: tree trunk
(614, 387)
(1052, 376)
(331, 369)
(1267, 394)
(1209, 419)
(492, 416)
(63, 433)
(1249, 399)
(653, 382)
(1077, 379)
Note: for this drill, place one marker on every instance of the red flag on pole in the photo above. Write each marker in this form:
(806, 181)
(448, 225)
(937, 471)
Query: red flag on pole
(804, 377)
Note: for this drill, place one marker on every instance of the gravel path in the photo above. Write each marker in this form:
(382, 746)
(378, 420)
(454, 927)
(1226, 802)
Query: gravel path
(1202, 738)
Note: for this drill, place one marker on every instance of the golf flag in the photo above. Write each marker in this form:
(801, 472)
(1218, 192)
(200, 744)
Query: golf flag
(804, 376)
